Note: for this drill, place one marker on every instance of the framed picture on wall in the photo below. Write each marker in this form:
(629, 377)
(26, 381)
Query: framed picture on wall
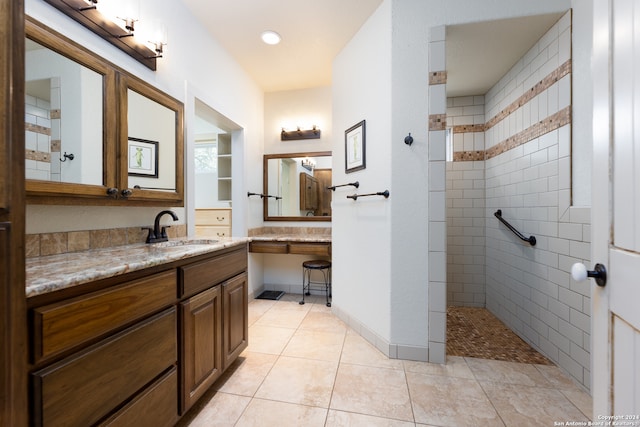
(355, 147)
(143, 158)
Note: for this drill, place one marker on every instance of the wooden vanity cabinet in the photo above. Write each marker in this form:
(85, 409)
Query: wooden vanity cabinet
(214, 321)
(137, 349)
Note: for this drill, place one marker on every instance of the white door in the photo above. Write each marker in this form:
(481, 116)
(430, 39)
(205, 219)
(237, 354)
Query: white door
(616, 209)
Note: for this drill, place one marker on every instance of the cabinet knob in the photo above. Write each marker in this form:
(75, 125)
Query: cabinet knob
(126, 192)
(112, 192)
(580, 273)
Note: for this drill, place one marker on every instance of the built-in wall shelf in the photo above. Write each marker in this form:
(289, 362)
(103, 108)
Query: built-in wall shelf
(224, 167)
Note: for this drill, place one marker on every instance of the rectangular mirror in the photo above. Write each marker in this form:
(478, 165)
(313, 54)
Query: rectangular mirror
(298, 185)
(70, 99)
(152, 138)
(95, 134)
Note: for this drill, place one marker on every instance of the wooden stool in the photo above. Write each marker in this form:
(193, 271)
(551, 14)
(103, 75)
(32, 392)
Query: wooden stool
(318, 265)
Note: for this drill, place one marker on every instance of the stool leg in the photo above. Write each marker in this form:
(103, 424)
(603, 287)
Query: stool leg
(304, 270)
(325, 273)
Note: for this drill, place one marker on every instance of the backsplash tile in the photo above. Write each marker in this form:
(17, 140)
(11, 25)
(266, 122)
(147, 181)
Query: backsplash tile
(76, 241)
(53, 243)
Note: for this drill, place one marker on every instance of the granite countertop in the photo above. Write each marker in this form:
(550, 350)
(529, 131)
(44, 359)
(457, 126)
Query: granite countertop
(312, 238)
(54, 272)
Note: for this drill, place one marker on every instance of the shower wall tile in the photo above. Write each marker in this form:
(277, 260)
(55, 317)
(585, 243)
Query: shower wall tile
(524, 156)
(437, 191)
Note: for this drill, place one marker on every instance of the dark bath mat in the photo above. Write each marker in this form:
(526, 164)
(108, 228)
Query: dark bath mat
(274, 295)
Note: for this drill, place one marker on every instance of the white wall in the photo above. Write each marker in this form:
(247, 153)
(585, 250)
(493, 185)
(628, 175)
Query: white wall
(361, 233)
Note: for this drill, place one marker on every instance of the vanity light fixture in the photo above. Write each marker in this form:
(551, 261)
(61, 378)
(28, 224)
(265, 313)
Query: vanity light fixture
(91, 4)
(308, 164)
(271, 37)
(300, 134)
(89, 14)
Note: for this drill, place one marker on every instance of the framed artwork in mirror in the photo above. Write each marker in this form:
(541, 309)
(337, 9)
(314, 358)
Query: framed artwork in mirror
(143, 158)
(355, 147)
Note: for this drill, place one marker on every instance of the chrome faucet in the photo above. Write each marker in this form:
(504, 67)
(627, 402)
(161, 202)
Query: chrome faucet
(157, 234)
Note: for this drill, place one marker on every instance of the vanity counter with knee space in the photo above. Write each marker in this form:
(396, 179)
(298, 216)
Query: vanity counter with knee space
(291, 240)
(133, 335)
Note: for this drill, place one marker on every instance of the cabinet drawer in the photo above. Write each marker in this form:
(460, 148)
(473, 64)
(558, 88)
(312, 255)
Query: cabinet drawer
(83, 388)
(268, 247)
(63, 325)
(201, 275)
(213, 216)
(310, 248)
(155, 407)
(212, 231)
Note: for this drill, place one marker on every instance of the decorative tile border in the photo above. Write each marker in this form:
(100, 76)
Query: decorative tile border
(538, 88)
(37, 129)
(551, 123)
(38, 156)
(55, 114)
(437, 77)
(437, 121)
(469, 128)
(468, 156)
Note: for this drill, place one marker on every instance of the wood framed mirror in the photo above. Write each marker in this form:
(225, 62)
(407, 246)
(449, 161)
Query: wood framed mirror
(56, 123)
(84, 114)
(295, 185)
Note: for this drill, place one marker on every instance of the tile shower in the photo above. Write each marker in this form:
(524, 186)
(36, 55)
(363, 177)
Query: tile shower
(510, 149)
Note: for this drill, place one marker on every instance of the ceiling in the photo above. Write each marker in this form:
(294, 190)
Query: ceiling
(315, 31)
(479, 54)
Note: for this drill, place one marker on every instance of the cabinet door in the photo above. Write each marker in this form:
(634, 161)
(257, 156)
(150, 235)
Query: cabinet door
(201, 351)
(236, 320)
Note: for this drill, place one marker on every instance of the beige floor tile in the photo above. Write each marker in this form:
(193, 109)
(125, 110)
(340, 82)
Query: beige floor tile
(358, 351)
(246, 374)
(257, 308)
(282, 318)
(372, 391)
(221, 410)
(582, 400)
(301, 381)
(341, 418)
(455, 367)
(268, 339)
(450, 401)
(320, 320)
(268, 413)
(556, 377)
(313, 344)
(507, 372)
(520, 405)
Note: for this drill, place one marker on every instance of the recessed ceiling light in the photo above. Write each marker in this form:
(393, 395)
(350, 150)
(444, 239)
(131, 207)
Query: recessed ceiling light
(271, 37)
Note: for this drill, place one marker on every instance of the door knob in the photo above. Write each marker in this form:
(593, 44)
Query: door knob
(580, 273)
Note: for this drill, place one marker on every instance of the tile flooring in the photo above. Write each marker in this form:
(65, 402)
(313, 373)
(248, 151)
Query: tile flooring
(304, 367)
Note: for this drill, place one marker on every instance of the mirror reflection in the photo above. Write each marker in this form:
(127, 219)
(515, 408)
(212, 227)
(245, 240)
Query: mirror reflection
(298, 182)
(63, 115)
(151, 147)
